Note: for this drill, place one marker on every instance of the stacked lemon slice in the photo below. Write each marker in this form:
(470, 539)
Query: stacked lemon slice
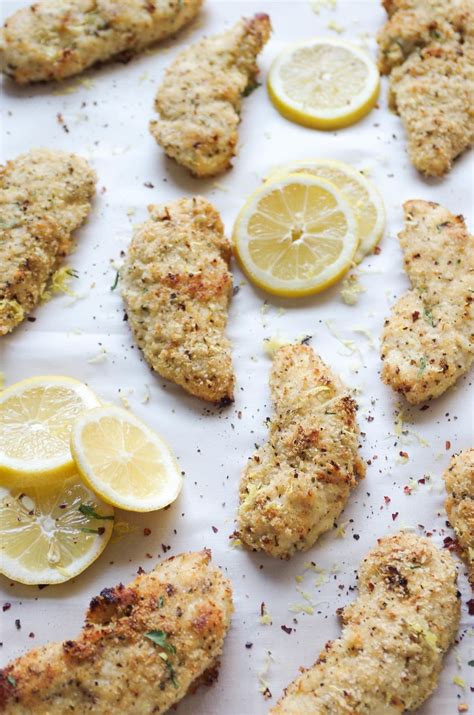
(65, 461)
(307, 225)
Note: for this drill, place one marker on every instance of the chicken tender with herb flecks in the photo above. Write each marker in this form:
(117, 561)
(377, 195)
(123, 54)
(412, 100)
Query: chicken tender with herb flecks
(142, 648)
(428, 341)
(44, 196)
(176, 286)
(428, 47)
(459, 481)
(200, 98)
(390, 653)
(414, 24)
(297, 484)
(54, 39)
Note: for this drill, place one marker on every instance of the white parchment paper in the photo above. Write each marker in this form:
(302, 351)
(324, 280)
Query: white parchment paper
(105, 114)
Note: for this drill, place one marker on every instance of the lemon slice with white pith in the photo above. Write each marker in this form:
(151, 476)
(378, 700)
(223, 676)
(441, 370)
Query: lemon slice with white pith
(49, 535)
(36, 415)
(324, 83)
(296, 235)
(362, 195)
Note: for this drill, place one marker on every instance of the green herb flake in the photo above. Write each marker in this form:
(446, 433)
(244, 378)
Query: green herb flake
(89, 510)
(429, 317)
(72, 272)
(99, 531)
(113, 287)
(160, 638)
(11, 680)
(160, 602)
(422, 366)
(471, 663)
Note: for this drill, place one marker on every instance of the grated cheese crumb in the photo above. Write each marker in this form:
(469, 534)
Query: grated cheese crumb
(351, 289)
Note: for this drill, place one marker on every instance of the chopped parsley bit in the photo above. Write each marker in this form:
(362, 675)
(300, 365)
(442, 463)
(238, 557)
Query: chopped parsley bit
(11, 680)
(99, 531)
(89, 510)
(422, 367)
(172, 674)
(429, 317)
(160, 602)
(113, 287)
(72, 272)
(160, 638)
(251, 88)
(471, 663)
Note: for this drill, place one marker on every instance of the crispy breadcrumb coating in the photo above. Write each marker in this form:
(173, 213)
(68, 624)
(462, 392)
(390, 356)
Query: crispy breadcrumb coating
(54, 39)
(296, 485)
(428, 341)
(44, 196)
(459, 481)
(200, 98)
(142, 647)
(176, 286)
(390, 653)
(428, 46)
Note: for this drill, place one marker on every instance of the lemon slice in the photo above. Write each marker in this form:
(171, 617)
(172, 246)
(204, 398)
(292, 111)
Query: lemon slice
(124, 461)
(35, 425)
(323, 83)
(363, 197)
(296, 235)
(50, 534)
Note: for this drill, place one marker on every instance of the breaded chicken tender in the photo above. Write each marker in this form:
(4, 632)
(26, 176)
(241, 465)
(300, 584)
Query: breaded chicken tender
(142, 647)
(428, 46)
(459, 482)
(390, 654)
(200, 98)
(44, 196)
(176, 286)
(414, 24)
(54, 39)
(428, 341)
(297, 484)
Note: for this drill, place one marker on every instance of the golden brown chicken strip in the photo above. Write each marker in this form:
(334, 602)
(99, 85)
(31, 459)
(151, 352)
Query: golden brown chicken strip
(390, 654)
(200, 98)
(142, 647)
(297, 484)
(44, 196)
(176, 286)
(414, 24)
(428, 46)
(459, 481)
(54, 39)
(428, 341)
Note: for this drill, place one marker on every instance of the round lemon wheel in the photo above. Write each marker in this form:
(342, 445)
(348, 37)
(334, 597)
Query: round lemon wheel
(50, 534)
(324, 83)
(296, 235)
(35, 425)
(362, 195)
(124, 461)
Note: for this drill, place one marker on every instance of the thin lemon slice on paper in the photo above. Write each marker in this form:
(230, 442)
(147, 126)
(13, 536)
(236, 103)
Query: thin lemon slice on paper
(124, 461)
(323, 83)
(296, 235)
(362, 195)
(51, 534)
(35, 425)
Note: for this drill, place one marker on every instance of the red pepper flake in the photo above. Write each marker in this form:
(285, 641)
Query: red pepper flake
(377, 250)
(404, 455)
(148, 185)
(31, 635)
(447, 444)
(146, 531)
(17, 624)
(287, 629)
(249, 645)
(267, 694)
(6, 607)
(214, 529)
(140, 570)
(449, 543)
(387, 500)
(165, 548)
(407, 490)
(394, 515)
(415, 315)
(422, 481)
(470, 606)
